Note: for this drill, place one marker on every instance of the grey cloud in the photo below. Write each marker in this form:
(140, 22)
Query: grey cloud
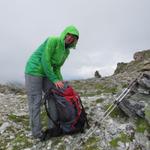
(108, 29)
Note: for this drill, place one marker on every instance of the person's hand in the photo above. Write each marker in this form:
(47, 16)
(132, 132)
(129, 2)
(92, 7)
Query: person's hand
(59, 84)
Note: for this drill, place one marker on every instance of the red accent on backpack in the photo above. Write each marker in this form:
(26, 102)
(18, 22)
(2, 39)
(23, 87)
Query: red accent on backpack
(73, 98)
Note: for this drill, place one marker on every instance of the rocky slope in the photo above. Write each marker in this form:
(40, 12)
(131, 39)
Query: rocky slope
(117, 132)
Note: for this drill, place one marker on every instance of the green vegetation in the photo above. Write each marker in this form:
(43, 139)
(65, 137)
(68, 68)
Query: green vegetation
(122, 138)
(24, 120)
(91, 144)
(124, 85)
(44, 118)
(100, 100)
(116, 112)
(3, 145)
(11, 129)
(21, 142)
(98, 89)
(90, 88)
(87, 94)
(105, 89)
(142, 125)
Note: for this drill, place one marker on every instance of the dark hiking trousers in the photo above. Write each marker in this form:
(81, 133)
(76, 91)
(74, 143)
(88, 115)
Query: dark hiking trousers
(35, 86)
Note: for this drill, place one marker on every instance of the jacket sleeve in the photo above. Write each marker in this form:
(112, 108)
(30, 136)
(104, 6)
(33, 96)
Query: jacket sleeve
(46, 60)
(57, 71)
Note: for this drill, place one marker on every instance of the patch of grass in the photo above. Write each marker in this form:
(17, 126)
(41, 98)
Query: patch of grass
(11, 129)
(116, 113)
(3, 145)
(124, 138)
(14, 118)
(124, 85)
(104, 89)
(114, 142)
(91, 144)
(24, 120)
(78, 86)
(87, 94)
(44, 118)
(99, 100)
(112, 90)
(98, 92)
(142, 125)
(21, 142)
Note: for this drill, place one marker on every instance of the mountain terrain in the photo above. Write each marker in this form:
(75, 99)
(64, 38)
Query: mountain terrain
(118, 131)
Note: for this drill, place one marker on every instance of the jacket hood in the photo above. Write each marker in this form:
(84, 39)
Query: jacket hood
(72, 30)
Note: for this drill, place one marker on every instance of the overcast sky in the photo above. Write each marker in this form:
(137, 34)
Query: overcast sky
(110, 32)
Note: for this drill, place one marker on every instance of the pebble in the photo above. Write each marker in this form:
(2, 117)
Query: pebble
(4, 126)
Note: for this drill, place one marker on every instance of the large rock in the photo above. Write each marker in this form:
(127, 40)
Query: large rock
(97, 74)
(121, 67)
(138, 101)
(141, 62)
(141, 55)
(4, 126)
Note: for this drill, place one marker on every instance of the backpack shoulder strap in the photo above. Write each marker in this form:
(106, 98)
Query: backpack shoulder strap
(46, 108)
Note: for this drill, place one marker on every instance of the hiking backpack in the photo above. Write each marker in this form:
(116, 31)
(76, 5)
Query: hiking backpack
(70, 111)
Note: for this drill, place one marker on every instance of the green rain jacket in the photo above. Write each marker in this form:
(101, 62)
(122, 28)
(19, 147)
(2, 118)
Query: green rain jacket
(47, 60)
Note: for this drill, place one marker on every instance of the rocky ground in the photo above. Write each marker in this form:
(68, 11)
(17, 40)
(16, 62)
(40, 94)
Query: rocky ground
(117, 132)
